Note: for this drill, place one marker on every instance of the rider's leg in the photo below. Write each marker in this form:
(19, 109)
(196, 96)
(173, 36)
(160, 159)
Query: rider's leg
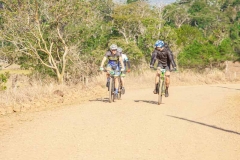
(116, 86)
(157, 78)
(167, 83)
(122, 79)
(116, 83)
(159, 66)
(108, 80)
(108, 75)
(123, 88)
(117, 73)
(156, 82)
(167, 79)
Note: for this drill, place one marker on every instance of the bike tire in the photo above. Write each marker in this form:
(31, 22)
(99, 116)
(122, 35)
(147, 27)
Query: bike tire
(160, 85)
(110, 90)
(119, 88)
(113, 86)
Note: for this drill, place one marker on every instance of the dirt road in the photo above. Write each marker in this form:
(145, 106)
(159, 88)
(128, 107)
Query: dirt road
(194, 123)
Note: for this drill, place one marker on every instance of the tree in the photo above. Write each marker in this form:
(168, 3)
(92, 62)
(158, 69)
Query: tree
(48, 31)
(176, 15)
(199, 55)
(134, 20)
(131, 1)
(187, 34)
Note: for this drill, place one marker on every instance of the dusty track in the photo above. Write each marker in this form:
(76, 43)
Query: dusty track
(194, 123)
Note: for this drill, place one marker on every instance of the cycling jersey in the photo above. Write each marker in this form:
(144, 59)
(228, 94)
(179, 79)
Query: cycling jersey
(125, 61)
(124, 57)
(163, 57)
(113, 59)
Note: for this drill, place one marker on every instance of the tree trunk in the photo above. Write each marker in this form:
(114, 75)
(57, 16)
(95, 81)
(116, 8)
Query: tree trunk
(60, 79)
(59, 76)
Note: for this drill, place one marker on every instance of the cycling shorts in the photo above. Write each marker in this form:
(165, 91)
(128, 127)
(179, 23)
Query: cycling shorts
(160, 66)
(114, 68)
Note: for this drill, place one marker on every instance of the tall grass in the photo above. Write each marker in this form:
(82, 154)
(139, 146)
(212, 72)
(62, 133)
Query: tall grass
(25, 91)
(185, 77)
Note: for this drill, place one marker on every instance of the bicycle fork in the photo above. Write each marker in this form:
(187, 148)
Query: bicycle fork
(161, 84)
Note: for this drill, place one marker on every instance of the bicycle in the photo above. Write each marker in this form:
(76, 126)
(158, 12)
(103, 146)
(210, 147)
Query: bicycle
(111, 86)
(161, 86)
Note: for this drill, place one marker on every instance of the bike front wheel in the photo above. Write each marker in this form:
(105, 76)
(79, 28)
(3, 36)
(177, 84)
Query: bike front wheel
(120, 89)
(160, 85)
(111, 90)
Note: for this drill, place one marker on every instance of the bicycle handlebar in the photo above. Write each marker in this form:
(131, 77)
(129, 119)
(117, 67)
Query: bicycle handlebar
(171, 70)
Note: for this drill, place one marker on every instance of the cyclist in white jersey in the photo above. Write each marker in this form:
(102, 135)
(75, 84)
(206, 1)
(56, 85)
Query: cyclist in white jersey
(125, 62)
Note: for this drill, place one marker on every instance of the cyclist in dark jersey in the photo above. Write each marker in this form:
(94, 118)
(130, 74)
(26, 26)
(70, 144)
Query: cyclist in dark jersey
(164, 57)
(113, 57)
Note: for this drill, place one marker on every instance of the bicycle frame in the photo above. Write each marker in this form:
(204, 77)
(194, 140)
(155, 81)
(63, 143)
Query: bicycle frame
(111, 86)
(161, 86)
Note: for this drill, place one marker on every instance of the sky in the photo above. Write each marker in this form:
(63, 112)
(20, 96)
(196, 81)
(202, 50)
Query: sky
(161, 1)
(155, 1)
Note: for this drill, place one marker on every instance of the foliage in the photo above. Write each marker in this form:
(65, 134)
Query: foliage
(3, 80)
(59, 38)
(187, 34)
(46, 31)
(198, 55)
(131, 49)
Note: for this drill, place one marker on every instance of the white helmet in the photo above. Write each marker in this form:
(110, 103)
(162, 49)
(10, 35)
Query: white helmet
(113, 47)
(119, 49)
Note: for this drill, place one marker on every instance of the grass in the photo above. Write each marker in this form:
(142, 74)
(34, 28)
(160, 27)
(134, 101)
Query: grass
(23, 89)
(186, 77)
(24, 72)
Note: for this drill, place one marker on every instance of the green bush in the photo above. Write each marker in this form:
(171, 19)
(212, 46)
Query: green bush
(3, 80)
(133, 52)
(199, 55)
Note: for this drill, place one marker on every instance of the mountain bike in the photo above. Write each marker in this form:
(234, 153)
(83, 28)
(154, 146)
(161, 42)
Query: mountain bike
(161, 86)
(111, 86)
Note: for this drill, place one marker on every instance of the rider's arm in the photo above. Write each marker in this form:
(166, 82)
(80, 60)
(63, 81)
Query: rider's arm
(121, 61)
(171, 54)
(103, 61)
(171, 58)
(126, 60)
(153, 59)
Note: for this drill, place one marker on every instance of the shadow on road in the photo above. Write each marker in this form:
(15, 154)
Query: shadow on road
(150, 102)
(106, 100)
(203, 124)
(226, 87)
